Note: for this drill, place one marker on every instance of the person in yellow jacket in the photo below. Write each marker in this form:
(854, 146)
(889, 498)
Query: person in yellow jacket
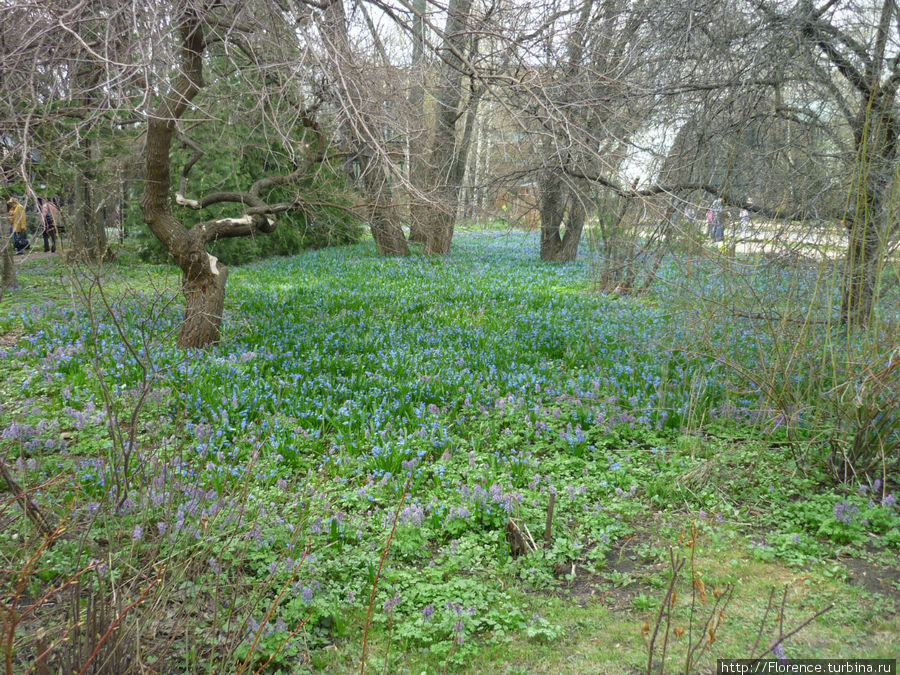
(15, 212)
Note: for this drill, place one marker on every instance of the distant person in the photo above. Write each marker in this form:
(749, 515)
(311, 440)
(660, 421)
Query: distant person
(50, 218)
(15, 212)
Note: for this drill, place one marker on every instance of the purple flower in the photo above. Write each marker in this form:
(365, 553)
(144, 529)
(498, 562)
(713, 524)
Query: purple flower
(778, 653)
(137, 533)
(458, 629)
(390, 603)
(214, 565)
(428, 611)
(844, 511)
(307, 594)
(889, 500)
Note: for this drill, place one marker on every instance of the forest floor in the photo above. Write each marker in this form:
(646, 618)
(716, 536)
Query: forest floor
(472, 465)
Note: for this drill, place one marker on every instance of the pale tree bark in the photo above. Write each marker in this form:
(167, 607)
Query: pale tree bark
(560, 205)
(867, 221)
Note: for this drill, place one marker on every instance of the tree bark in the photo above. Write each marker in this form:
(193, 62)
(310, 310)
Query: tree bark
(867, 225)
(388, 236)
(558, 203)
(445, 157)
(9, 267)
(374, 174)
(554, 193)
(204, 298)
(88, 236)
(203, 280)
(417, 170)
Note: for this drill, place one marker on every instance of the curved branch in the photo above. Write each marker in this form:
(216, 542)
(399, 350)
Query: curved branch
(160, 130)
(224, 228)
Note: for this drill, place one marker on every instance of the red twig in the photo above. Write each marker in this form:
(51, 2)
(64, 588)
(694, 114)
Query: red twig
(387, 545)
(115, 623)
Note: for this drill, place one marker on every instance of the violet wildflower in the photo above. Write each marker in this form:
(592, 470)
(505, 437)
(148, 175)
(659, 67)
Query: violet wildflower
(137, 533)
(390, 603)
(428, 611)
(458, 629)
(844, 511)
(778, 652)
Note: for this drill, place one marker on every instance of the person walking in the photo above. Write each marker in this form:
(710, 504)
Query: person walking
(15, 212)
(50, 218)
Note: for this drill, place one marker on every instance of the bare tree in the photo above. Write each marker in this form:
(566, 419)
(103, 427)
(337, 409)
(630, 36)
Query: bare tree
(447, 155)
(203, 276)
(359, 121)
(852, 53)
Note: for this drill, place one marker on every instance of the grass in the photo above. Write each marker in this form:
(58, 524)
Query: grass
(232, 505)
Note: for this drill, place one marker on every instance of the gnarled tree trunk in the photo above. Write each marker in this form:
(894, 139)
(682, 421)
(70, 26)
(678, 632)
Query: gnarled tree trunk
(203, 280)
(204, 302)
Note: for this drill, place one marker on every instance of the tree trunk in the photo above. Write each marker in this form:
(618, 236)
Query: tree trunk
(556, 245)
(861, 274)
(440, 231)
(875, 137)
(9, 267)
(417, 143)
(374, 174)
(388, 236)
(204, 302)
(88, 236)
(446, 153)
